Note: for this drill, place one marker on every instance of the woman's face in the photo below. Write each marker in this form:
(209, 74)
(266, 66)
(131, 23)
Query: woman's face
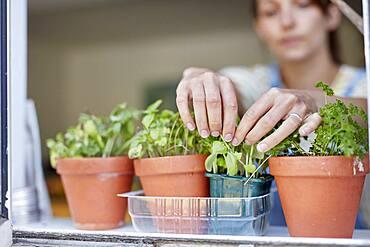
(295, 29)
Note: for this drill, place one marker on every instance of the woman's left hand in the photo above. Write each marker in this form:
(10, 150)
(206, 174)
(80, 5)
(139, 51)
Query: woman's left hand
(296, 108)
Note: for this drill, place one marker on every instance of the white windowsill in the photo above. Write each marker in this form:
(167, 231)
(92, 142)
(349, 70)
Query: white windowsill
(62, 229)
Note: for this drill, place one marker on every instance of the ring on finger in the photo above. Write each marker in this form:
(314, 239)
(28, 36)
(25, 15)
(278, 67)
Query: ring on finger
(296, 115)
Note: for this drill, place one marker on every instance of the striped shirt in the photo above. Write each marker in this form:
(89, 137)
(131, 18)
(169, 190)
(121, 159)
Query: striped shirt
(252, 82)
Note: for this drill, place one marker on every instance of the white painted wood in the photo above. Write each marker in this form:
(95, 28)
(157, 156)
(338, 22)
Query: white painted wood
(62, 230)
(5, 233)
(18, 79)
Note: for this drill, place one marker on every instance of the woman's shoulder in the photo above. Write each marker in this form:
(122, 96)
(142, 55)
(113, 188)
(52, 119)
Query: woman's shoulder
(350, 82)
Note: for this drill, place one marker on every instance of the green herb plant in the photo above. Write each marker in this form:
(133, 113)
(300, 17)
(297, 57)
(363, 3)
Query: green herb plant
(242, 160)
(340, 132)
(164, 134)
(96, 136)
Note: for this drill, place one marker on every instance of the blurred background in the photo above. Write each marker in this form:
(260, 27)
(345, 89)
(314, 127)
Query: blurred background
(90, 55)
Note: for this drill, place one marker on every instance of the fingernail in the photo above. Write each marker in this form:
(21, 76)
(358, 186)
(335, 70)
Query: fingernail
(190, 126)
(235, 142)
(228, 137)
(306, 130)
(215, 133)
(262, 147)
(204, 133)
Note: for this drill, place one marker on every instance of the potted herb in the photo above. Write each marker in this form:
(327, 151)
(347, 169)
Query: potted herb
(239, 173)
(236, 171)
(320, 178)
(169, 159)
(90, 159)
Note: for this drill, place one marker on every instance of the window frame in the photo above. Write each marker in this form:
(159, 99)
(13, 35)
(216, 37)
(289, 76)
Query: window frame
(47, 237)
(5, 224)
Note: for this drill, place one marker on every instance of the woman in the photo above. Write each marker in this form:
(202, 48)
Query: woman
(301, 35)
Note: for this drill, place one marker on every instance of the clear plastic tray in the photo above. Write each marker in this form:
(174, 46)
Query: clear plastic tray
(199, 215)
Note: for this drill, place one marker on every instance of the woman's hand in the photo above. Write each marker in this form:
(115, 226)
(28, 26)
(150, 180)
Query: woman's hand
(296, 108)
(214, 101)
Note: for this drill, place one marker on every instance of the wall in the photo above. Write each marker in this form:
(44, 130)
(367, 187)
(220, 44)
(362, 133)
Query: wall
(92, 58)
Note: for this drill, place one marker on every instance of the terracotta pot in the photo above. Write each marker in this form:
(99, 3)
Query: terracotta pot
(181, 176)
(174, 176)
(92, 185)
(320, 196)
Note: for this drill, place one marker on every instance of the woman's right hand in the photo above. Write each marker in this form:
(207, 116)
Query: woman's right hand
(213, 99)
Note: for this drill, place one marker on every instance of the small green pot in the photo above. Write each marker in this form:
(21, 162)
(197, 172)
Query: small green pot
(235, 186)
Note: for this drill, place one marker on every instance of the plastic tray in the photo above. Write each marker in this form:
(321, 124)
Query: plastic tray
(199, 215)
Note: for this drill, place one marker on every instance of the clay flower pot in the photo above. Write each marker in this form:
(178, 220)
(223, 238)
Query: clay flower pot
(174, 176)
(181, 176)
(320, 196)
(91, 186)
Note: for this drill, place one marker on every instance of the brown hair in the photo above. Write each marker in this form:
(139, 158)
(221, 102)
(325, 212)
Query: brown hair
(333, 40)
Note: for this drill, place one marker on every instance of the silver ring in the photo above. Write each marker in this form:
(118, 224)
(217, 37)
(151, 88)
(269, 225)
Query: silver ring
(296, 115)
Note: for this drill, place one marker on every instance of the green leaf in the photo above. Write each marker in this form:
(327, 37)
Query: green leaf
(325, 87)
(147, 120)
(338, 134)
(211, 159)
(135, 152)
(215, 167)
(221, 162)
(258, 155)
(154, 107)
(250, 168)
(219, 148)
(154, 133)
(231, 164)
(116, 128)
(95, 136)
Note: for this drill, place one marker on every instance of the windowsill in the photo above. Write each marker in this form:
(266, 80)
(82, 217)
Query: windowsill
(57, 230)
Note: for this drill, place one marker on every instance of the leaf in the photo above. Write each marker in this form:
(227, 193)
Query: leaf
(250, 168)
(257, 154)
(231, 164)
(147, 120)
(338, 134)
(325, 87)
(219, 148)
(135, 152)
(221, 162)
(161, 142)
(211, 159)
(154, 133)
(153, 107)
(95, 136)
(116, 128)
(215, 167)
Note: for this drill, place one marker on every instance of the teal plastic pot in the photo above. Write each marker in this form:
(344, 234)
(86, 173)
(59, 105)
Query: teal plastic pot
(236, 186)
(254, 214)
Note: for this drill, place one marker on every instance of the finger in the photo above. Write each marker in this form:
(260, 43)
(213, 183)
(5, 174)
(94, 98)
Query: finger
(253, 114)
(285, 129)
(199, 104)
(267, 122)
(310, 124)
(213, 103)
(192, 72)
(230, 108)
(182, 102)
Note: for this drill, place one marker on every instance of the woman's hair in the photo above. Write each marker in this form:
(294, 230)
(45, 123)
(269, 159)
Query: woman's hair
(333, 41)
